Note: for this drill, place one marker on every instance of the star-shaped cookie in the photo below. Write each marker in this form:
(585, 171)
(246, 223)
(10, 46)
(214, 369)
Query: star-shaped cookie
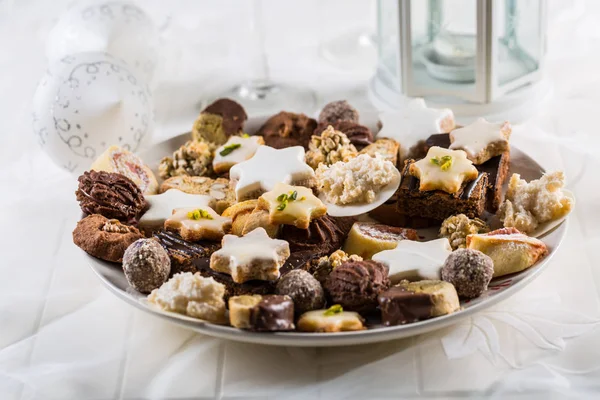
(414, 123)
(250, 257)
(161, 206)
(481, 140)
(415, 260)
(291, 205)
(268, 167)
(443, 169)
(236, 150)
(197, 223)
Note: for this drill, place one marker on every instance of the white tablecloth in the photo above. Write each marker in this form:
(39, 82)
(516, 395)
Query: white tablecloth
(63, 336)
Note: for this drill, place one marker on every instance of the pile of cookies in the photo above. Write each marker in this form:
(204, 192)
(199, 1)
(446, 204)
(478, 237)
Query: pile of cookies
(311, 225)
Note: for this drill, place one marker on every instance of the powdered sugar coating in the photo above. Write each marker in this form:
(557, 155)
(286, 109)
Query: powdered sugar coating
(146, 265)
(193, 295)
(306, 291)
(470, 271)
(355, 181)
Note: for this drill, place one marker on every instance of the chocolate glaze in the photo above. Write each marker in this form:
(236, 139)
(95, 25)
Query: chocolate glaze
(465, 192)
(273, 313)
(401, 306)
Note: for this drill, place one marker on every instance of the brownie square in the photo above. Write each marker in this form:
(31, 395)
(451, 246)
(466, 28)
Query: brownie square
(437, 205)
(496, 168)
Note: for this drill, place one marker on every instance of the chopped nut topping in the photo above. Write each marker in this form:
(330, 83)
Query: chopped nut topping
(332, 146)
(457, 227)
(194, 158)
(114, 226)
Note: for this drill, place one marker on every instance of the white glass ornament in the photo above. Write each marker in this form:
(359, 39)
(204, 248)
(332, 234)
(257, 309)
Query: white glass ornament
(86, 103)
(119, 28)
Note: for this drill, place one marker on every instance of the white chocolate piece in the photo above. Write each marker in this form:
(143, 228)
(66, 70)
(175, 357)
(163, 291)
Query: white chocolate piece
(415, 260)
(414, 123)
(318, 321)
(481, 140)
(211, 227)
(192, 295)
(253, 256)
(161, 206)
(116, 159)
(268, 167)
(247, 148)
(298, 212)
(433, 175)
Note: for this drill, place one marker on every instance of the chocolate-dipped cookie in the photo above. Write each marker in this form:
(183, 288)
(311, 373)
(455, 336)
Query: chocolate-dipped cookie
(269, 313)
(288, 129)
(219, 121)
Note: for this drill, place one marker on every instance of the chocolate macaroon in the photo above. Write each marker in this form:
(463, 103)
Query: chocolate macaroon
(288, 129)
(111, 195)
(356, 285)
(323, 236)
(219, 121)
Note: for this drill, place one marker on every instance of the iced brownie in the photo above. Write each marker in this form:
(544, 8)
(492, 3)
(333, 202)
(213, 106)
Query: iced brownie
(496, 168)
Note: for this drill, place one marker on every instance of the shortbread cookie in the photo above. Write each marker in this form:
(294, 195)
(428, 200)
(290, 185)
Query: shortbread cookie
(117, 159)
(253, 256)
(291, 205)
(413, 124)
(511, 250)
(268, 167)
(103, 238)
(192, 295)
(270, 313)
(443, 169)
(195, 224)
(386, 148)
(366, 238)
(415, 260)
(110, 194)
(161, 206)
(416, 301)
(246, 217)
(481, 140)
(234, 151)
(146, 265)
(529, 204)
(194, 158)
(219, 189)
(219, 121)
(334, 319)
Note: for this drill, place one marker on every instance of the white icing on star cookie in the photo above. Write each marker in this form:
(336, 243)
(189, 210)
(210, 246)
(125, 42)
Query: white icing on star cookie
(161, 206)
(443, 169)
(253, 256)
(414, 123)
(415, 260)
(236, 150)
(291, 205)
(268, 167)
(197, 223)
(481, 140)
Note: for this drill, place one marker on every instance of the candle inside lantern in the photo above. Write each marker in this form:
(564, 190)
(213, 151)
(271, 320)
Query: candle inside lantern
(455, 49)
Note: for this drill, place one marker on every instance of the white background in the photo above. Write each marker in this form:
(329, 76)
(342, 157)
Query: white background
(62, 336)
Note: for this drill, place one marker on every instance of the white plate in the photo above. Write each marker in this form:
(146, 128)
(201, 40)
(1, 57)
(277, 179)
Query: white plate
(356, 209)
(113, 278)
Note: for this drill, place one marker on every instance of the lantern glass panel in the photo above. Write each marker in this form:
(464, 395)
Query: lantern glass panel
(387, 44)
(519, 34)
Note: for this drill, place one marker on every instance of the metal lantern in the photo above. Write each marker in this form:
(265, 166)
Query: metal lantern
(478, 57)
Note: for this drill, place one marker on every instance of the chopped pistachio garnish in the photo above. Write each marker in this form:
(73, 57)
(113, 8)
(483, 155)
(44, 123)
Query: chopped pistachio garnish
(282, 206)
(245, 135)
(199, 214)
(284, 198)
(293, 195)
(302, 198)
(445, 162)
(334, 309)
(229, 148)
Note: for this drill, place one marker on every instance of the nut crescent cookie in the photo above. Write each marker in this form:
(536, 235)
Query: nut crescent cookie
(443, 169)
(482, 140)
(291, 205)
(194, 224)
(219, 189)
(103, 238)
(254, 256)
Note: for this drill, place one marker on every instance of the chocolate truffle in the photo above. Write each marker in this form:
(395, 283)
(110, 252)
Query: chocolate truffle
(110, 194)
(288, 129)
(356, 285)
(146, 265)
(359, 135)
(218, 121)
(306, 292)
(470, 271)
(336, 111)
(103, 238)
(323, 236)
